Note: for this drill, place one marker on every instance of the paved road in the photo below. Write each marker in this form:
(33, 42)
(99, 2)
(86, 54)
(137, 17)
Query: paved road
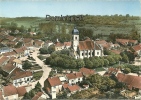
(46, 69)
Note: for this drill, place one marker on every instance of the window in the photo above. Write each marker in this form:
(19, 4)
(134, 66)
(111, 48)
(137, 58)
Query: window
(82, 54)
(75, 38)
(89, 53)
(97, 53)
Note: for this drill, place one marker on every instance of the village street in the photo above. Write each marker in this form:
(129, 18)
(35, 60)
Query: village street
(45, 68)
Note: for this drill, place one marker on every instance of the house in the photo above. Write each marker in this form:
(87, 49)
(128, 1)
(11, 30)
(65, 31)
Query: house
(73, 89)
(48, 43)
(87, 48)
(20, 52)
(17, 63)
(10, 54)
(116, 51)
(39, 96)
(38, 43)
(10, 92)
(74, 78)
(65, 86)
(28, 40)
(131, 81)
(87, 72)
(11, 44)
(107, 45)
(20, 77)
(67, 45)
(7, 69)
(53, 85)
(137, 49)
(126, 42)
(111, 71)
(71, 78)
(62, 79)
(5, 49)
(3, 60)
(10, 38)
(59, 46)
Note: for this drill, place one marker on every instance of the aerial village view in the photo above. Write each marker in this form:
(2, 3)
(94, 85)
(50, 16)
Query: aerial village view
(70, 49)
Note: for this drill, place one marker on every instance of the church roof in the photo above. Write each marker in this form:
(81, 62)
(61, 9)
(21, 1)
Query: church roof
(75, 31)
(88, 45)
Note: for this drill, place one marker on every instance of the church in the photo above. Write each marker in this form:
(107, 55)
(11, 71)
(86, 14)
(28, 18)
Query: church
(87, 48)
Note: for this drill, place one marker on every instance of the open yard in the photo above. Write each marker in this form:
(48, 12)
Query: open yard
(37, 75)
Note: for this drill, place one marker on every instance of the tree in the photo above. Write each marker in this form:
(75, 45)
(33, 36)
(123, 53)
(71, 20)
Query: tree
(127, 70)
(88, 64)
(32, 93)
(125, 58)
(111, 60)
(80, 63)
(106, 62)
(26, 96)
(43, 50)
(38, 86)
(65, 51)
(27, 65)
(51, 49)
(95, 63)
(48, 59)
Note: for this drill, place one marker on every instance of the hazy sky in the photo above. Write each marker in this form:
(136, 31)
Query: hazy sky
(19, 8)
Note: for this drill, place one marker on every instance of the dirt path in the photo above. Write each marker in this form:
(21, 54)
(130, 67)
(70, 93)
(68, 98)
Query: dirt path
(45, 68)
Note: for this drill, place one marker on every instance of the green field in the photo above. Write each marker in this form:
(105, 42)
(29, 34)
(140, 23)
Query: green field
(98, 24)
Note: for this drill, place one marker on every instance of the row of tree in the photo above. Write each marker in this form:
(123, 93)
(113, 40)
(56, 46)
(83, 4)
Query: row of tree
(64, 60)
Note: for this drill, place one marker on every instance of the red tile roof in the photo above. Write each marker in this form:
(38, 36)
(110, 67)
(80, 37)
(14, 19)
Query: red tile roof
(21, 91)
(9, 53)
(79, 74)
(101, 42)
(3, 59)
(27, 40)
(20, 50)
(21, 74)
(11, 60)
(111, 71)
(36, 97)
(67, 43)
(87, 71)
(54, 81)
(137, 47)
(73, 88)
(59, 44)
(11, 38)
(130, 80)
(1, 97)
(122, 41)
(28, 44)
(71, 76)
(88, 45)
(136, 82)
(8, 67)
(9, 90)
(65, 85)
(12, 90)
(126, 41)
(116, 51)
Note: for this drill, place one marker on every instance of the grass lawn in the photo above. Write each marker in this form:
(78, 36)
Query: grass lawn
(37, 75)
(99, 69)
(36, 68)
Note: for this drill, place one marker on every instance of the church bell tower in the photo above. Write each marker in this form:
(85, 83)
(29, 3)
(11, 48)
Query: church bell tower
(75, 39)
